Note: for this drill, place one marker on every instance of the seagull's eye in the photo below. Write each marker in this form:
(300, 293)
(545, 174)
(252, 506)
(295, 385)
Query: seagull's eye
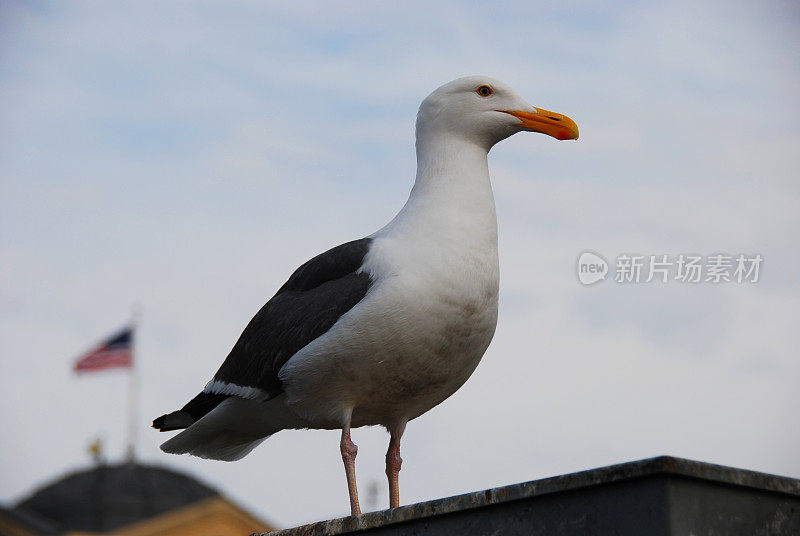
(484, 91)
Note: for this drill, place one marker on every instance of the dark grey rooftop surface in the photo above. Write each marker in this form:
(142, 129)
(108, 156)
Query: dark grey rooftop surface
(657, 496)
(107, 497)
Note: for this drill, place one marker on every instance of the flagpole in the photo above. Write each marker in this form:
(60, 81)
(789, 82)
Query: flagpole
(133, 385)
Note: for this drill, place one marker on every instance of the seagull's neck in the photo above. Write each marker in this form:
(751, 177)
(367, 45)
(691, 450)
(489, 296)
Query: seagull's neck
(452, 196)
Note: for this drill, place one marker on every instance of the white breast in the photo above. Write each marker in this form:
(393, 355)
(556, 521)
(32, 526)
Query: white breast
(409, 345)
(430, 314)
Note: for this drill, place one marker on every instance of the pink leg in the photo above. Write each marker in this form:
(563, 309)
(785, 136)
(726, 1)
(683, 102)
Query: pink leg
(393, 464)
(349, 451)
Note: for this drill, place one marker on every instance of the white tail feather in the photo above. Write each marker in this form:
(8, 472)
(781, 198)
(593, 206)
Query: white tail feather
(233, 429)
(213, 445)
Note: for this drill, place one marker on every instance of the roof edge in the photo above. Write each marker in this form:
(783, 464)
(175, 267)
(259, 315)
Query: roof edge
(648, 467)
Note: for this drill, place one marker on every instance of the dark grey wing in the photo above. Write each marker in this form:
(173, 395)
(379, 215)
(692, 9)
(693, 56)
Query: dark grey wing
(305, 307)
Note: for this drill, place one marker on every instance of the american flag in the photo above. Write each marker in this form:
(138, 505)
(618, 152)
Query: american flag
(116, 351)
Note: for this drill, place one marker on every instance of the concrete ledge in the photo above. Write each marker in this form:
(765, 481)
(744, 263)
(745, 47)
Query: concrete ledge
(657, 496)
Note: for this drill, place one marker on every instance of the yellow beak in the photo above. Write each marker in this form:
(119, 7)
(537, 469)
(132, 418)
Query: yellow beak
(556, 125)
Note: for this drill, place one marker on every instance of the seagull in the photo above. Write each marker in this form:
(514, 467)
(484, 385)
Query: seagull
(379, 330)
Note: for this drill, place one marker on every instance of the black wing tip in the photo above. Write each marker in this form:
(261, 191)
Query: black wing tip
(177, 420)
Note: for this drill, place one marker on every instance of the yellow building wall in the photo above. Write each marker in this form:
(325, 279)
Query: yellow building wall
(211, 517)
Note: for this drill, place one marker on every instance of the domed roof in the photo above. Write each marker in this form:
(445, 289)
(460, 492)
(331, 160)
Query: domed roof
(108, 497)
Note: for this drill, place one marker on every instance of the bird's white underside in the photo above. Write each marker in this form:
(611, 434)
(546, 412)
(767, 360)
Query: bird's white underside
(429, 317)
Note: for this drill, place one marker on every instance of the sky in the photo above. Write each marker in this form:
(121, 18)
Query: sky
(187, 156)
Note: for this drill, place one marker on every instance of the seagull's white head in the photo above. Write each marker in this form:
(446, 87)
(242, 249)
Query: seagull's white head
(486, 111)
